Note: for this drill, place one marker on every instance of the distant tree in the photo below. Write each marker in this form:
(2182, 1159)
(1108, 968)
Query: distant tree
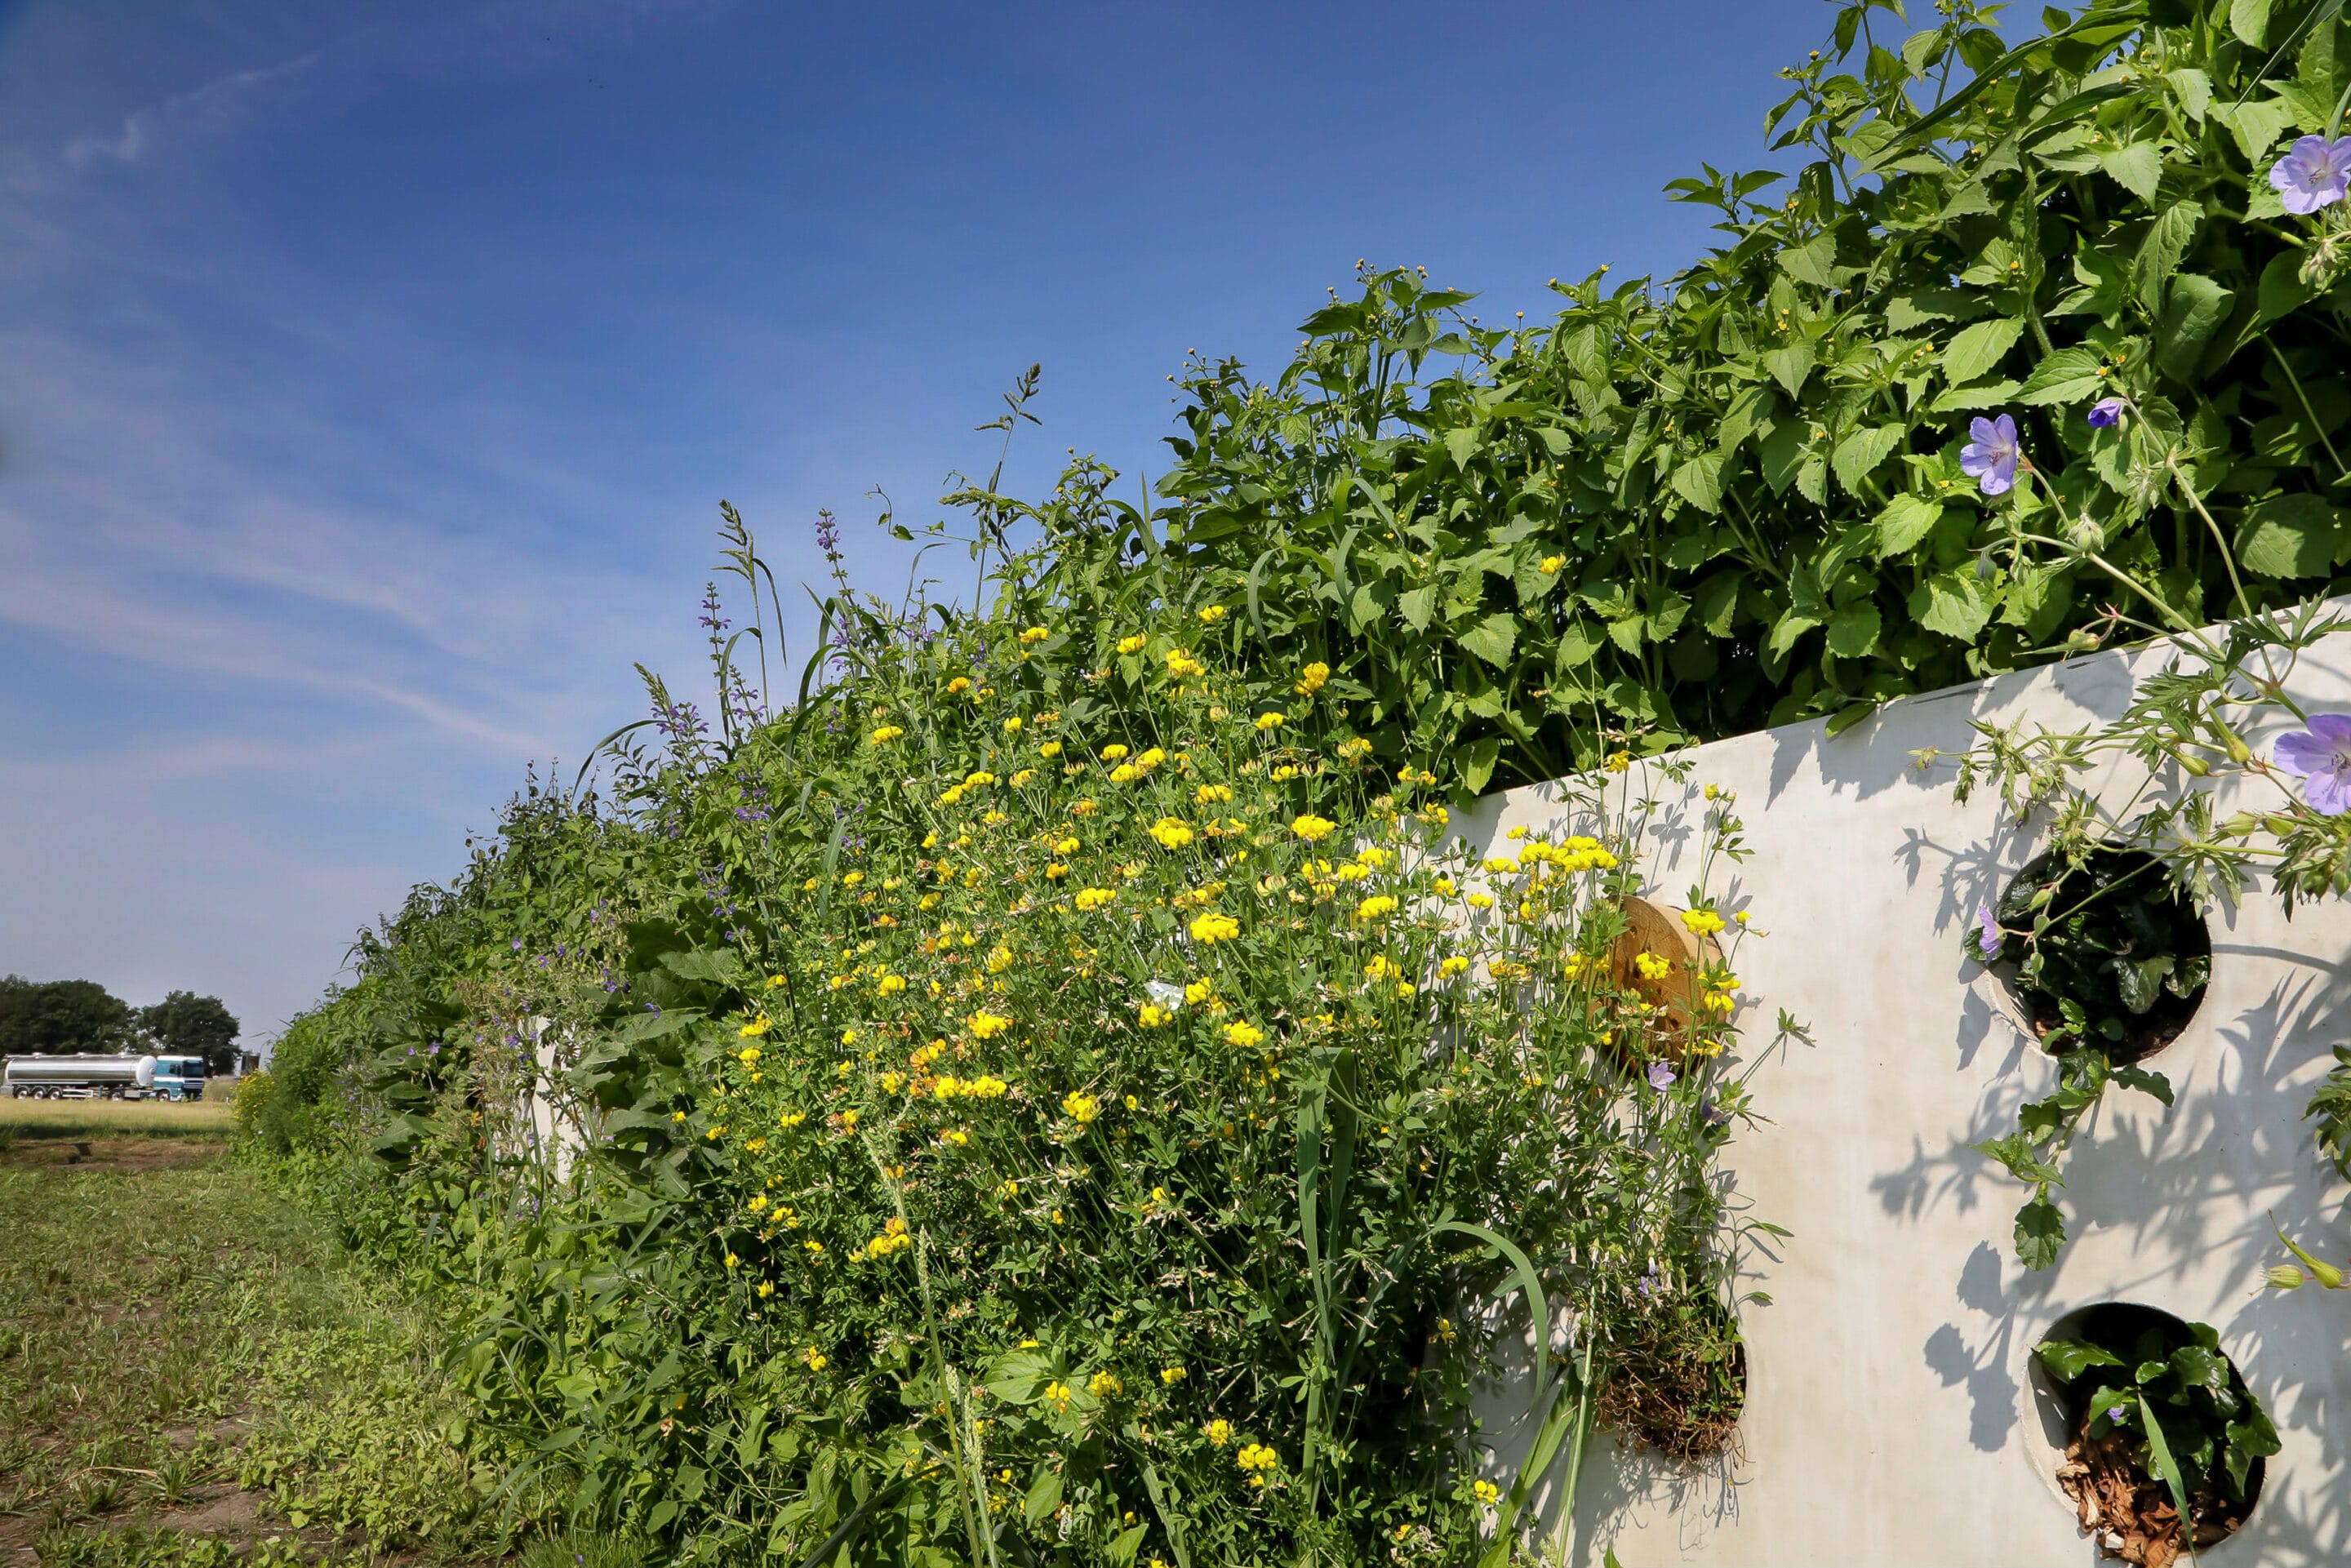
(185, 1024)
(61, 1016)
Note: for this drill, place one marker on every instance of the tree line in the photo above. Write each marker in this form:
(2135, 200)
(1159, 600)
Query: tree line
(60, 1016)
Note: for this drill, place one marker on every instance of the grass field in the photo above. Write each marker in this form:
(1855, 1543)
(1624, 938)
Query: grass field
(28, 1119)
(193, 1373)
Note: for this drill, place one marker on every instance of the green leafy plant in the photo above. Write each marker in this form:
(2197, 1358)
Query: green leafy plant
(2150, 1396)
(2108, 957)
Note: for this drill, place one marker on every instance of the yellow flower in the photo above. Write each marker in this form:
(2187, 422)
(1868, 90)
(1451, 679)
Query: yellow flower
(1083, 808)
(1125, 773)
(1255, 1457)
(958, 1137)
(755, 1028)
(1214, 926)
(1151, 1015)
(1551, 564)
(1083, 1108)
(1272, 720)
(813, 1356)
(1094, 898)
(1105, 1385)
(1050, 748)
(1380, 969)
(1284, 774)
(732, 1261)
(1211, 614)
(890, 985)
(1058, 1393)
(1313, 829)
(1373, 908)
(1198, 991)
(1702, 922)
(1056, 871)
(850, 879)
(1181, 665)
(1172, 832)
(1112, 752)
(1618, 761)
(1212, 794)
(1034, 634)
(1485, 1492)
(1219, 1432)
(1133, 644)
(747, 1055)
(886, 734)
(767, 1289)
(848, 1119)
(1172, 1375)
(791, 1118)
(1352, 750)
(987, 1026)
(1652, 965)
(957, 685)
(1244, 1034)
(1481, 901)
(1152, 757)
(1012, 724)
(1312, 678)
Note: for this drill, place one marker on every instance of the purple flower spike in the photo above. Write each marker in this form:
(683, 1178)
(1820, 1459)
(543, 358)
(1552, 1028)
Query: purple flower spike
(2106, 412)
(1990, 458)
(2321, 757)
(1661, 1075)
(1987, 942)
(2313, 173)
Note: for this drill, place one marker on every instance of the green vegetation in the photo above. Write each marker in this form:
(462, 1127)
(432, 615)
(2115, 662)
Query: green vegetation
(192, 1373)
(32, 1120)
(1054, 1091)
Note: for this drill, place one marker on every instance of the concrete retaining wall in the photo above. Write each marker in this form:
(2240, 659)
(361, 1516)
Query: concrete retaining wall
(1890, 1418)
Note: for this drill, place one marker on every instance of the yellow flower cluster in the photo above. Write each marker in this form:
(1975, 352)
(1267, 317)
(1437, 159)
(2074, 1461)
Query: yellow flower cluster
(1256, 1459)
(987, 1026)
(1091, 898)
(1215, 926)
(1083, 1108)
(755, 1028)
(1153, 1016)
(1182, 667)
(893, 1238)
(1133, 645)
(1653, 965)
(1312, 678)
(886, 734)
(1312, 827)
(1244, 1034)
(1702, 922)
(1172, 832)
(1219, 1432)
(1105, 1385)
(1375, 907)
(987, 1086)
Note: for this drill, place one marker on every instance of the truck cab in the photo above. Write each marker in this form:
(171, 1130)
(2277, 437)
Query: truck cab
(180, 1077)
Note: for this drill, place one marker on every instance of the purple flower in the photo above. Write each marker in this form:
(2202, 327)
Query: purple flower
(2106, 412)
(2313, 174)
(1990, 458)
(2321, 757)
(1661, 1075)
(1987, 942)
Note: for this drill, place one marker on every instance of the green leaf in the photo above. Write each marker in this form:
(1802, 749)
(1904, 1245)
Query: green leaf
(1983, 394)
(1700, 481)
(1979, 349)
(2040, 1233)
(1417, 606)
(1905, 312)
(2067, 1359)
(1906, 520)
(1044, 1497)
(1716, 601)
(1492, 639)
(1853, 631)
(1790, 365)
(1859, 454)
(1463, 442)
(1477, 761)
(2069, 375)
(2283, 291)
(1123, 1549)
(2196, 304)
(2256, 126)
(1951, 602)
(2166, 241)
(2249, 20)
(2290, 536)
(1791, 625)
(2137, 167)
(1814, 262)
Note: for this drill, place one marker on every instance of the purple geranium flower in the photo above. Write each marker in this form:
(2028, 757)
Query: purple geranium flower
(2106, 412)
(2313, 174)
(1987, 943)
(1661, 1075)
(1990, 458)
(2321, 757)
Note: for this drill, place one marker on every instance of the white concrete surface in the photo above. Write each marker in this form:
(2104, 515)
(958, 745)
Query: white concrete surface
(1889, 1417)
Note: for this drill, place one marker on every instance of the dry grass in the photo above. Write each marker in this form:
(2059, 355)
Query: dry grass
(30, 1119)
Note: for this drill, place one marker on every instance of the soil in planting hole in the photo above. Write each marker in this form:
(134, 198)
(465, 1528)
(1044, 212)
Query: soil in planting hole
(1677, 1378)
(2126, 1511)
(2122, 934)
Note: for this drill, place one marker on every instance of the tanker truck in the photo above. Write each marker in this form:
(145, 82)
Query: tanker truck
(93, 1077)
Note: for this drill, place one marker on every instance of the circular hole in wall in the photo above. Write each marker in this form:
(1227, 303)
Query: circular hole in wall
(1677, 1375)
(1658, 962)
(2107, 953)
(2102, 1463)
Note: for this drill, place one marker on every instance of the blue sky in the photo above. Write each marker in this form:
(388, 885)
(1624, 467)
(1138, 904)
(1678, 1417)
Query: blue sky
(370, 372)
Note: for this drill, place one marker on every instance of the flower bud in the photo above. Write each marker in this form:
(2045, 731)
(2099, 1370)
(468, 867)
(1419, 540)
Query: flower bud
(2191, 763)
(2284, 1277)
(2239, 752)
